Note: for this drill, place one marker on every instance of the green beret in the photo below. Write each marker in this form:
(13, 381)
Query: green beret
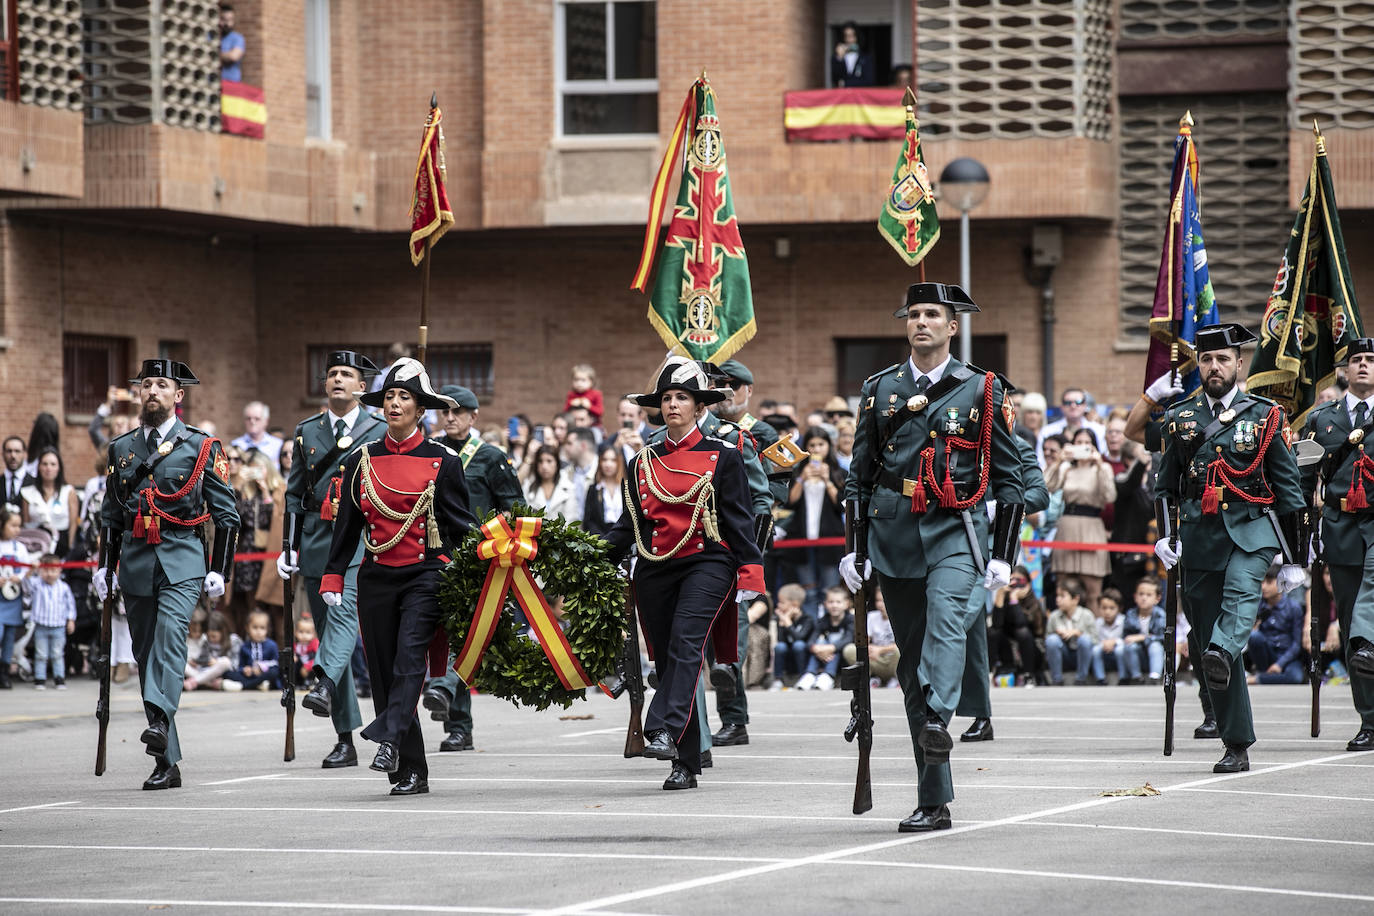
(737, 371)
(463, 396)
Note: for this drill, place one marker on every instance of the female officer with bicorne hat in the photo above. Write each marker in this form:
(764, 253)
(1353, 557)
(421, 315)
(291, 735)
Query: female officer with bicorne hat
(405, 496)
(688, 516)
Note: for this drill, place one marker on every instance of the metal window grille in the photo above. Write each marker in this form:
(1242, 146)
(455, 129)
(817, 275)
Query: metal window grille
(466, 364)
(91, 363)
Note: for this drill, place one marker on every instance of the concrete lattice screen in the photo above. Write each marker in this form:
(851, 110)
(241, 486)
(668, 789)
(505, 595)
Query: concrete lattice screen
(1242, 145)
(1332, 57)
(1162, 20)
(152, 60)
(49, 36)
(1016, 68)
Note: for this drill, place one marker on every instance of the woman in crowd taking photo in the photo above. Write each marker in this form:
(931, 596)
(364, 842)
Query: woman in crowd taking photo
(814, 502)
(1087, 482)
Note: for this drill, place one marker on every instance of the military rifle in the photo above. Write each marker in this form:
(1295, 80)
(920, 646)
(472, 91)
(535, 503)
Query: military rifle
(855, 677)
(1166, 521)
(632, 679)
(1318, 600)
(292, 535)
(109, 558)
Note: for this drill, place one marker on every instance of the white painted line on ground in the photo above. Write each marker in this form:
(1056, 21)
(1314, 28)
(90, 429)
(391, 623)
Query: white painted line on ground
(599, 731)
(225, 782)
(956, 758)
(1133, 739)
(36, 807)
(466, 812)
(1114, 879)
(834, 855)
(1211, 833)
(1369, 762)
(1352, 798)
(250, 905)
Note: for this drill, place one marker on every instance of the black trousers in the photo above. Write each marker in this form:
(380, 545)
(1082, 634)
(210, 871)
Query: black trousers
(678, 602)
(398, 613)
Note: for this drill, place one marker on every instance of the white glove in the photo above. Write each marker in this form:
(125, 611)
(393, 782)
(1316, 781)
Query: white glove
(1167, 555)
(1164, 389)
(744, 596)
(214, 584)
(1291, 576)
(286, 564)
(998, 575)
(850, 574)
(101, 586)
(333, 599)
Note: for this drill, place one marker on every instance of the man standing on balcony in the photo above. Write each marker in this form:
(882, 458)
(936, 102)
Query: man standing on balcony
(231, 46)
(851, 66)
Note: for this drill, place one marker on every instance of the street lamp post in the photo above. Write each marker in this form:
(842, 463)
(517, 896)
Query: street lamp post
(964, 184)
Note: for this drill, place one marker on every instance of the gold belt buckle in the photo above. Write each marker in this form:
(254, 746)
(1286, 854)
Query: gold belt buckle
(908, 487)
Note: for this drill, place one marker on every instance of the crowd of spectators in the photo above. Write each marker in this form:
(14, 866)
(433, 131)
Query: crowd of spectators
(1071, 614)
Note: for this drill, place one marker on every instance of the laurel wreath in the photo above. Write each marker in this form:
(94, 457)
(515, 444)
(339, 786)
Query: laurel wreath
(571, 564)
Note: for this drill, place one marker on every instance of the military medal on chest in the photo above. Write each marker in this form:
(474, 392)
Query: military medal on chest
(951, 424)
(1244, 436)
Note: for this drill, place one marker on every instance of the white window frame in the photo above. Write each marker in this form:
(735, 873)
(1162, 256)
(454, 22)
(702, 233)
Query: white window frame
(609, 86)
(318, 64)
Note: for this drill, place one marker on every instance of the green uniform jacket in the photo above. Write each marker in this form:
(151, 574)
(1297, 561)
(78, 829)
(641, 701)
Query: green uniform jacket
(765, 435)
(181, 552)
(1188, 449)
(712, 425)
(314, 442)
(492, 483)
(1344, 535)
(1037, 495)
(903, 544)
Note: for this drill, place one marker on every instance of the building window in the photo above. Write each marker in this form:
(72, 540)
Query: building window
(91, 363)
(317, 95)
(606, 67)
(466, 364)
(856, 358)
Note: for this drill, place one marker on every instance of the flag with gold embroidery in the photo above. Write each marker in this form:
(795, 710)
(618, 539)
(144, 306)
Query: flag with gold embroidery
(430, 213)
(1312, 314)
(908, 219)
(701, 302)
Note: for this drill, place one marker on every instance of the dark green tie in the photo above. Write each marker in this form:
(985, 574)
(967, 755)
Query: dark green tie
(153, 437)
(1217, 408)
(922, 383)
(339, 429)
(1361, 414)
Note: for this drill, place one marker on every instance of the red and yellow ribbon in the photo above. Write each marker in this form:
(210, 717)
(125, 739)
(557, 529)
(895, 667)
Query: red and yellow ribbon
(509, 551)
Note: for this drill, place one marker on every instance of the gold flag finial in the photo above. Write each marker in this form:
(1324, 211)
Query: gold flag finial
(1186, 120)
(703, 74)
(1320, 140)
(909, 99)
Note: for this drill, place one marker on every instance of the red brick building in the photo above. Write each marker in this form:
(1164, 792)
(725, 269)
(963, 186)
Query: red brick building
(123, 235)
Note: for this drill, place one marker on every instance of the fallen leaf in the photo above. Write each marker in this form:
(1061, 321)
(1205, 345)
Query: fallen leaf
(1146, 789)
(980, 769)
(575, 718)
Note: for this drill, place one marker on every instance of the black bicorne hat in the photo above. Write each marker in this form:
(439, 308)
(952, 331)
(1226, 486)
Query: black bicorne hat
(178, 372)
(937, 294)
(1221, 337)
(351, 360)
(1357, 346)
(687, 376)
(409, 374)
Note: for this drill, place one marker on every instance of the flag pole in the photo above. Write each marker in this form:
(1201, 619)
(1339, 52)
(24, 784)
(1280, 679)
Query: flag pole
(423, 343)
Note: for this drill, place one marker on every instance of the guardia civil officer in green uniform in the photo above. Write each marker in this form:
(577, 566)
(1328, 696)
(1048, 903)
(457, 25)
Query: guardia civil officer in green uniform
(975, 699)
(933, 445)
(492, 484)
(1345, 481)
(323, 441)
(165, 480)
(1229, 469)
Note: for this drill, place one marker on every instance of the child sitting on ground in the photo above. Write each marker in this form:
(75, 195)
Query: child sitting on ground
(1111, 641)
(584, 393)
(307, 648)
(796, 628)
(53, 613)
(836, 630)
(1071, 628)
(1144, 629)
(216, 659)
(882, 646)
(257, 667)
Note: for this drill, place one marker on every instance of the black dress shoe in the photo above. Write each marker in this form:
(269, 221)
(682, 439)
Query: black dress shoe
(980, 730)
(1216, 668)
(1208, 729)
(1235, 760)
(723, 681)
(164, 777)
(1362, 661)
(436, 699)
(706, 762)
(411, 783)
(922, 819)
(155, 736)
(1364, 741)
(935, 741)
(730, 736)
(343, 755)
(680, 778)
(457, 741)
(320, 700)
(388, 759)
(660, 746)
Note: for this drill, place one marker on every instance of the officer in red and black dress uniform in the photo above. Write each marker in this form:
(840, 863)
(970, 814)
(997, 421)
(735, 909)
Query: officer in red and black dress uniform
(690, 521)
(406, 497)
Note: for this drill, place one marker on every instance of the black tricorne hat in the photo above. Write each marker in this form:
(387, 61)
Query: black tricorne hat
(409, 374)
(1221, 337)
(937, 294)
(1357, 346)
(351, 360)
(178, 372)
(685, 376)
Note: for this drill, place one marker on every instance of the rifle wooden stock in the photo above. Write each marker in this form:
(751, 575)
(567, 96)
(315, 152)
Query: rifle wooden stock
(634, 679)
(1172, 600)
(109, 557)
(855, 677)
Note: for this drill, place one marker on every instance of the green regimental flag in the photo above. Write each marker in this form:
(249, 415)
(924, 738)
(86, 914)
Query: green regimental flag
(908, 220)
(701, 303)
(1312, 313)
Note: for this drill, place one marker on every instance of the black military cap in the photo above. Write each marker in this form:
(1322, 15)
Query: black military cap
(351, 360)
(1222, 337)
(166, 368)
(716, 375)
(463, 396)
(1357, 346)
(937, 294)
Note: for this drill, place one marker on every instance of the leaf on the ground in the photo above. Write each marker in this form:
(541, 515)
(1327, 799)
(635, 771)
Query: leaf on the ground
(1146, 789)
(980, 769)
(575, 718)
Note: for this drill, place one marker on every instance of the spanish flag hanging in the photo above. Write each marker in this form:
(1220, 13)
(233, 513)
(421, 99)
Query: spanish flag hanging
(908, 220)
(430, 214)
(701, 303)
